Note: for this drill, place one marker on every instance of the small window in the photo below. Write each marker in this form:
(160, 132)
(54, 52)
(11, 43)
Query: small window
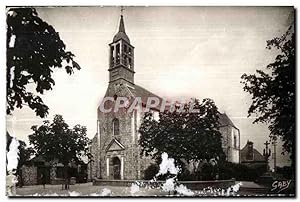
(118, 49)
(235, 142)
(118, 54)
(129, 63)
(111, 56)
(125, 60)
(111, 50)
(115, 97)
(115, 126)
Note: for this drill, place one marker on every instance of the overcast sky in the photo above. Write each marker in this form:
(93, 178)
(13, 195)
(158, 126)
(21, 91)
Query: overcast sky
(179, 52)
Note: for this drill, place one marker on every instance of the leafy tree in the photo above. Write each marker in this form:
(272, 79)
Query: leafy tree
(24, 153)
(57, 143)
(184, 135)
(34, 49)
(273, 92)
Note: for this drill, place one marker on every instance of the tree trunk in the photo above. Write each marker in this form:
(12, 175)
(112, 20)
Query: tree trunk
(66, 177)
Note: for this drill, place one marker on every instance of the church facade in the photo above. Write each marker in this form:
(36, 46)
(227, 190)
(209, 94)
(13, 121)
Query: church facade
(115, 148)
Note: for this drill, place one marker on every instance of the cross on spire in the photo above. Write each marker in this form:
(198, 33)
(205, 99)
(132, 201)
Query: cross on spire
(121, 32)
(266, 143)
(122, 9)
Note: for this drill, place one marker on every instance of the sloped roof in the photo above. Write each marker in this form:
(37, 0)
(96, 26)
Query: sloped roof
(138, 91)
(121, 33)
(257, 156)
(225, 120)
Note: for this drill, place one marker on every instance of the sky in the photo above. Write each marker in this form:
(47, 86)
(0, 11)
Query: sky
(179, 52)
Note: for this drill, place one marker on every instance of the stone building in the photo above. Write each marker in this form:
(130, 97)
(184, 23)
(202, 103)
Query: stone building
(230, 138)
(31, 172)
(29, 175)
(251, 157)
(115, 149)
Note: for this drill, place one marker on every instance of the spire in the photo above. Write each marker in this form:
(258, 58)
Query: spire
(121, 55)
(121, 33)
(121, 26)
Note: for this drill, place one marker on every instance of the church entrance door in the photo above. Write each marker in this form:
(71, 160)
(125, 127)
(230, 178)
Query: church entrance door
(116, 168)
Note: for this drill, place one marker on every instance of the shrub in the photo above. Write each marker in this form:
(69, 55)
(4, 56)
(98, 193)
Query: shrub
(185, 175)
(151, 171)
(222, 171)
(241, 172)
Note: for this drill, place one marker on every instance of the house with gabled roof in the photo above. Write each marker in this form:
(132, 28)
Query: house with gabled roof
(251, 157)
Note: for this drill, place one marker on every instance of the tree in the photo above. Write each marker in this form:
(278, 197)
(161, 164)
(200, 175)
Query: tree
(24, 156)
(191, 136)
(34, 49)
(273, 92)
(24, 153)
(56, 142)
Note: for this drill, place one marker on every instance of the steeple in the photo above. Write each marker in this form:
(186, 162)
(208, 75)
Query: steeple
(121, 25)
(121, 59)
(121, 33)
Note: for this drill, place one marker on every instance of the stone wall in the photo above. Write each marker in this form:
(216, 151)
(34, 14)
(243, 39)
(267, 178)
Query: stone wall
(194, 185)
(29, 175)
(58, 181)
(134, 165)
(92, 166)
(231, 150)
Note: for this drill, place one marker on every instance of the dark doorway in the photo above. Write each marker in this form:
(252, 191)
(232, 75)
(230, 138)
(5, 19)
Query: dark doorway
(116, 168)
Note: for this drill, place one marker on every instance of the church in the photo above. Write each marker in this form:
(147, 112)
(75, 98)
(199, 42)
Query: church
(115, 148)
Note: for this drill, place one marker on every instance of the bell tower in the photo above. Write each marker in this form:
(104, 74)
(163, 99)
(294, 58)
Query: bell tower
(121, 56)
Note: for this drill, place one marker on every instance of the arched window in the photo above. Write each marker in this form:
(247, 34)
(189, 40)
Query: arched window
(116, 126)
